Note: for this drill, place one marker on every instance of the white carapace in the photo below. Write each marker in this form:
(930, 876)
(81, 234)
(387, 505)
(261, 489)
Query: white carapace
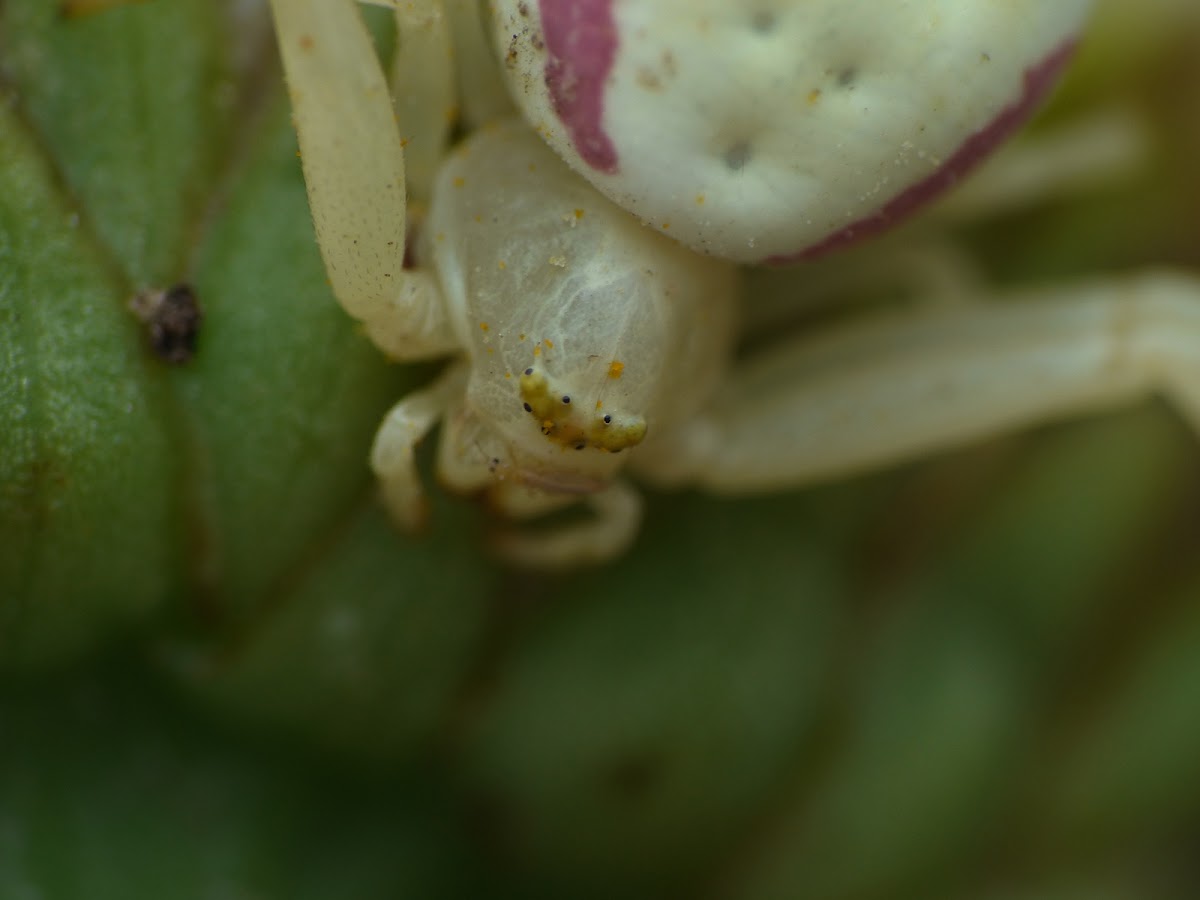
(583, 331)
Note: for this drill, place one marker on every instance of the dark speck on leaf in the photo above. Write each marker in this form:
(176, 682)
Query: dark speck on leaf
(172, 319)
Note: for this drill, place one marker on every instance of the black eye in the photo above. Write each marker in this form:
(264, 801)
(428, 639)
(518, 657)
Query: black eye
(529, 371)
(566, 399)
(608, 420)
(528, 408)
(580, 446)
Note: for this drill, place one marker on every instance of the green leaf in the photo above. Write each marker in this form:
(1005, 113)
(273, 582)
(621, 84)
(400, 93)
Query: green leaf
(647, 714)
(217, 494)
(367, 651)
(132, 108)
(88, 531)
(108, 792)
(965, 677)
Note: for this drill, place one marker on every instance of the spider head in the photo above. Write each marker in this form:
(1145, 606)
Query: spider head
(566, 440)
(568, 423)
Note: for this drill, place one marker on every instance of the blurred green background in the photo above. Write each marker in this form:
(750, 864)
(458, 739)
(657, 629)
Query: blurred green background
(222, 675)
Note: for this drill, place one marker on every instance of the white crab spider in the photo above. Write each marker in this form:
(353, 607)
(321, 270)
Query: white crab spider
(579, 332)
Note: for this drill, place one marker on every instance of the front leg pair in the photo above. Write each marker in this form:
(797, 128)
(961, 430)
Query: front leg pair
(353, 159)
(612, 515)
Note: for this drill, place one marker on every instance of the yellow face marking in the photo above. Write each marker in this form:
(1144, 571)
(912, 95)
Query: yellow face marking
(560, 421)
(615, 368)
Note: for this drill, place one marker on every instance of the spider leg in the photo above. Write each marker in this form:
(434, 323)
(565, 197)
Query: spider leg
(354, 169)
(895, 388)
(393, 453)
(423, 88)
(608, 532)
